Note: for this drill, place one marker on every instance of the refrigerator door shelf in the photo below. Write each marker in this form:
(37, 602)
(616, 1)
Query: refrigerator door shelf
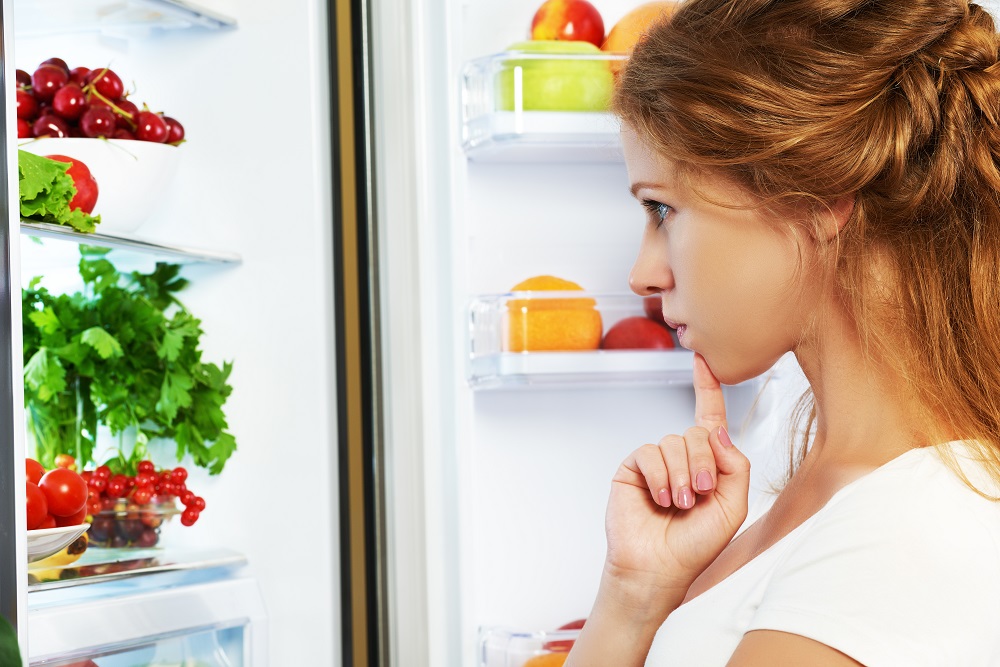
(501, 647)
(123, 18)
(540, 107)
(557, 337)
(219, 622)
(546, 369)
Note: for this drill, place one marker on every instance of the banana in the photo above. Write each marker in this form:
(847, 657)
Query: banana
(51, 568)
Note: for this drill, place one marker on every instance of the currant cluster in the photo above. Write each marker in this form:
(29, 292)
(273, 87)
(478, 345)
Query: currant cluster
(128, 510)
(56, 101)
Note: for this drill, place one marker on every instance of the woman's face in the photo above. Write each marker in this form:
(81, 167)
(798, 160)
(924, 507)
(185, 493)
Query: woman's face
(732, 281)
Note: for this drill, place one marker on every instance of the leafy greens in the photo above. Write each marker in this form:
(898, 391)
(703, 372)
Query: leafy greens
(46, 190)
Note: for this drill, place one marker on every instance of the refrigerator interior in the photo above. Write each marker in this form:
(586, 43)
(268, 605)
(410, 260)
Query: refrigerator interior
(516, 477)
(254, 180)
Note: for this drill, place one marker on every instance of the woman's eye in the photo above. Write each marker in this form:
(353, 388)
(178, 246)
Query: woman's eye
(658, 209)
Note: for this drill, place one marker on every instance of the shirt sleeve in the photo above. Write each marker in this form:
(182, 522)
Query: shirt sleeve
(895, 576)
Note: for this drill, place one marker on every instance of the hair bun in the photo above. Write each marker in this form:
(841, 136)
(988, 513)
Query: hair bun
(971, 44)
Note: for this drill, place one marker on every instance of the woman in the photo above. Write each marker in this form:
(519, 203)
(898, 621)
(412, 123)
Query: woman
(820, 177)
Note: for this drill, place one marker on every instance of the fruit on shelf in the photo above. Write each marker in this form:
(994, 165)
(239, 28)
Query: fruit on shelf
(86, 185)
(569, 20)
(637, 333)
(557, 659)
(56, 101)
(67, 556)
(564, 644)
(543, 323)
(563, 76)
(629, 29)
(653, 306)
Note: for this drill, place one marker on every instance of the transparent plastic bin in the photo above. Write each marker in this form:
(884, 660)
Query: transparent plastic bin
(541, 107)
(545, 338)
(502, 647)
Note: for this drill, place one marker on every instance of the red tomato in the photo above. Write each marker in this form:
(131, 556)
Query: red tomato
(38, 507)
(65, 490)
(34, 469)
(73, 519)
(86, 189)
(49, 522)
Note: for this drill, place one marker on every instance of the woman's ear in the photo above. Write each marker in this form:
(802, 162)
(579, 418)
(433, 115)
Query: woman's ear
(832, 218)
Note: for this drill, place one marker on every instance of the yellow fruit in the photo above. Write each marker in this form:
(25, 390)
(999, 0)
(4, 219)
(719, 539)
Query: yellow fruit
(549, 324)
(630, 28)
(68, 556)
(547, 660)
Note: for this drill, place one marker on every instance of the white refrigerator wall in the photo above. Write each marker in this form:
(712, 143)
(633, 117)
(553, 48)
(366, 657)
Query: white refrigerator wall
(254, 179)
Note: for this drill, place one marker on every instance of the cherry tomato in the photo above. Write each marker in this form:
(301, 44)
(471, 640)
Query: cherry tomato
(73, 519)
(65, 491)
(38, 507)
(49, 522)
(65, 461)
(34, 469)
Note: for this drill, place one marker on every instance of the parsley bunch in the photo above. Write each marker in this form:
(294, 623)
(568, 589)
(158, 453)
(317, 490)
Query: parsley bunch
(122, 352)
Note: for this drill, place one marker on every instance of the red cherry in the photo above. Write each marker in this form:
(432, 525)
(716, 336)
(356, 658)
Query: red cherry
(58, 62)
(50, 125)
(175, 131)
(46, 80)
(23, 78)
(107, 83)
(23, 129)
(150, 127)
(78, 75)
(98, 122)
(27, 105)
(69, 102)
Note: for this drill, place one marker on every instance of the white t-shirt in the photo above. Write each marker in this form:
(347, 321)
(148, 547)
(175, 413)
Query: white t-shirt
(900, 567)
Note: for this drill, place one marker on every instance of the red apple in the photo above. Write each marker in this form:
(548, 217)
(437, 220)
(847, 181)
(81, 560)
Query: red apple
(83, 181)
(568, 20)
(653, 305)
(564, 645)
(637, 333)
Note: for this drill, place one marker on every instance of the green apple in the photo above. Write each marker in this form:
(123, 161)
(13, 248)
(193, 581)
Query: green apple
(558, 83)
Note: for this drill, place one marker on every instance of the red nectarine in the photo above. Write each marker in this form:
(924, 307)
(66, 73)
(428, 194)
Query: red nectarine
(573, 20)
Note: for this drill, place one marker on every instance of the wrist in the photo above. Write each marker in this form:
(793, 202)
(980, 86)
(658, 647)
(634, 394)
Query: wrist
(644, 600)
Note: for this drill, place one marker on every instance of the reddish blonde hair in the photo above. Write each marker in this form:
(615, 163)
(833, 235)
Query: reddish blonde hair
(893, 103)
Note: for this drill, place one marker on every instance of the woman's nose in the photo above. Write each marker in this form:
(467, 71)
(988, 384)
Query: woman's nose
(650, 273)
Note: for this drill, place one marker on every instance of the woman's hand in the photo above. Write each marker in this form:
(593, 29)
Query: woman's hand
(674, 506)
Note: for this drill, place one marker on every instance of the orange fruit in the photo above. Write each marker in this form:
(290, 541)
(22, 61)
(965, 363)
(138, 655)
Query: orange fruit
(629, 29)
(547, 660)
(548, 324)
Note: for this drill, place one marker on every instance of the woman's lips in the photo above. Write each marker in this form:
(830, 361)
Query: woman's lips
(681, 329)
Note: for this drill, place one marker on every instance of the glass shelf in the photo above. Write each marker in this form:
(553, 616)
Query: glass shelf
(119, 18)
(540, 107)
(154, 249)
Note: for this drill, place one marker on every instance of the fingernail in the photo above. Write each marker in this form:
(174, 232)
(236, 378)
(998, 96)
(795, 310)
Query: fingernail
(703, 481)
(663, 497)
(684, 498)
(724, 437)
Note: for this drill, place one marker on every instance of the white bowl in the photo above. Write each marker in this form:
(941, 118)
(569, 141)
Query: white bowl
(132, 176)
(47, 541)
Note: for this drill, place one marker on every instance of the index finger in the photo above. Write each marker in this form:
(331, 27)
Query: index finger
(709, 404)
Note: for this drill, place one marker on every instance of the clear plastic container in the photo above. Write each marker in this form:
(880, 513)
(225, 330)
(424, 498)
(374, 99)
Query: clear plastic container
(543, 338)
(501, 647)
(550, 107)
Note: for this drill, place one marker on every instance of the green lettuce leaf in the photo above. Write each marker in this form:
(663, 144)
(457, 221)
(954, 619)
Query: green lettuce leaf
(46, 191)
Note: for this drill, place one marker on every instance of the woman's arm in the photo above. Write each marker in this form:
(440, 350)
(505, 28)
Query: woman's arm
(771, 648)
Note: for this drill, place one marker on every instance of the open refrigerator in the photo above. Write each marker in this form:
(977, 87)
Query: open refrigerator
(248, 216)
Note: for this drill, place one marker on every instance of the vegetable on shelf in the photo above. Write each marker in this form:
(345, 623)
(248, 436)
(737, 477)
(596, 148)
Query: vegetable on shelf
(46, 190)
(122, 353)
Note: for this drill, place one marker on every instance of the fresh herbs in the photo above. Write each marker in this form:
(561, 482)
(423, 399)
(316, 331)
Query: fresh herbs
(46, 191)
(123, 352)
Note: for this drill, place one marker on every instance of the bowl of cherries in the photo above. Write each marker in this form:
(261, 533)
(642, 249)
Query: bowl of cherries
(86, 114)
